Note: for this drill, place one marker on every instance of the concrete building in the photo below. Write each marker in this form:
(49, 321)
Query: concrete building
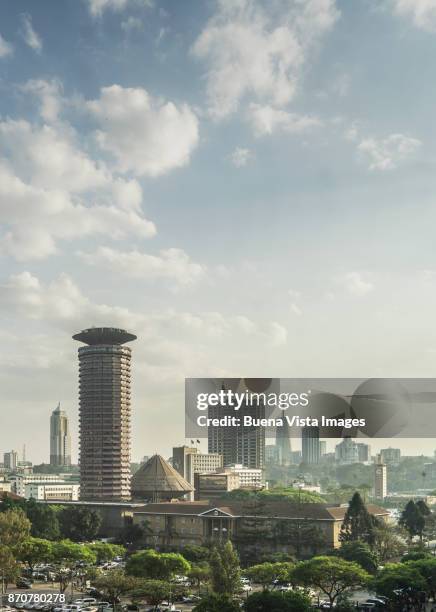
(10, 460)
(364, 451)
(189, 460)
(272, 454)
(390, 456)
(213, 486)
(104, 413)
(175, 525)
(310, 445)
(244, 444)
(52, 491)
(157, 480)
(380, 479)
(19, 482)
(249, 478)
(346, 452)
(60, 439)
(283, 442)
(5, 485)
(322, 448)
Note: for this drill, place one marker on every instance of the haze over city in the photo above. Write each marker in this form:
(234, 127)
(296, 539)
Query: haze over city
(234, 182)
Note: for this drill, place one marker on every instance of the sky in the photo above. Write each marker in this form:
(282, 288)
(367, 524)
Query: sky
(246, 185)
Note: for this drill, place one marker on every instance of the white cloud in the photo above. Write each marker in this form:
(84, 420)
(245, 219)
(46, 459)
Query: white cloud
(387, 153)
(147, 136)
(6, 48)
(240, 157)
(259, 51)
(421, 12)
(49, 94)
(173, 265)
(30, 36)
(265, 120)
(356, 284)
(50, 190)
(97, 7)
(132, 23)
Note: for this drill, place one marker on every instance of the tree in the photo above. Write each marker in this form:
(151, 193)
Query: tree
(35, 550)
(68, 554)
(266, 573)
(159, 566)
(412, 520)
(9, 568)
(361, 553)
(106, 552)
(387, 543)
(115, 583)
(14, 527)
(398, 581)
(267, 601)
(427, 568)
(153, 591)
(199, 572)
(333, 576)
(44, 519)
(358, 524)
(217, 603)
(132, 533)
(225, 570)
(192, 552)
(79, 524)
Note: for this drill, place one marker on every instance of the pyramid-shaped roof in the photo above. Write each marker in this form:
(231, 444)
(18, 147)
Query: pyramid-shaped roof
(157, 479)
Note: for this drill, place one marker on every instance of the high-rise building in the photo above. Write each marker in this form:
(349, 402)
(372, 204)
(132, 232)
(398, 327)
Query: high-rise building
(60, 440)
(322, 448)
(380, 479)
(244, 444)
(346, 452)
(390, 456)
(188, 461)
(10, 460)
(104, 413)
(283, 443)
(310, 445)
(364, 451)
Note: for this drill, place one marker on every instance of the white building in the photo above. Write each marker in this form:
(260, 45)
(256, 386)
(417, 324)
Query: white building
(5, 486)
(249, 478)
(52, 491)
(189, 461)
(19, 481)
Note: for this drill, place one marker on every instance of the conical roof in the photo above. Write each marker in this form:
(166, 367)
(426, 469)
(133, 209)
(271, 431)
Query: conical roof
(157, 479)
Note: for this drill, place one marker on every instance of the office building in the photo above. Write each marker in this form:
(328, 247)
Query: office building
(310, 445)
(60, 440)
(272, 454)
(364, 452)
(244, 444)
(380, 479)
(10, 461)
(104, 413)
(390, 456)
(213, 486)
(346, 452)
(52, 491)
(19, 482)
(322, 448)
(283, 443)
(249, 478)
(189, 461)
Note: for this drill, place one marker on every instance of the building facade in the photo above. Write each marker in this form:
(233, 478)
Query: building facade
(52, 491)
(310, 445)
(189, 460)
(390, 456)
(60, 439)
(21, 482)
(214, 486)
(244, 444)
(10, 461)
(104, 414)
(380, 479)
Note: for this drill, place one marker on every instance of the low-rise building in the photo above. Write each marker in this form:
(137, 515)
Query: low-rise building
(214, 486)
(20, 481)
(249, 478)
(302, 529)
(52, 491)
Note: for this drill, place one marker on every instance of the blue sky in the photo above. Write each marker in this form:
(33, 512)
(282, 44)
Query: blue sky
(247, 185)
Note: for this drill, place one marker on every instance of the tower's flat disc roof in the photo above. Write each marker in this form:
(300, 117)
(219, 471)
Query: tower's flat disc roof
(104, 335)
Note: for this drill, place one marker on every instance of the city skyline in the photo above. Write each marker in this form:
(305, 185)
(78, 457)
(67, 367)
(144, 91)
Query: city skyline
(244, 185)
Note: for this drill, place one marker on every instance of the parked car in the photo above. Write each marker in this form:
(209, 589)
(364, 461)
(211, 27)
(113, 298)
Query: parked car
(23, 583)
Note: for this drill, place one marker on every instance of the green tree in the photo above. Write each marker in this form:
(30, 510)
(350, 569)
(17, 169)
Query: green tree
(217, 603)
(67, 554)
(35, 550)
(387, 543)
(333, 576)
(396, 577)
(412, 520)
(358, 524)
(153, 592)
(79, 524)
(427, 568)
(14, 527)
(106, 552)
(361, 553)
(225, 570)
(153, 565)
(199, 573)
(266, 573)
(115, 583)
(267, 601)
(44, 519)
(192, 552)
(9, 568)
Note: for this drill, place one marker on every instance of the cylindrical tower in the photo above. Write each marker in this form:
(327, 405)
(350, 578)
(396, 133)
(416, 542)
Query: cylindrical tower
(104, 413)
